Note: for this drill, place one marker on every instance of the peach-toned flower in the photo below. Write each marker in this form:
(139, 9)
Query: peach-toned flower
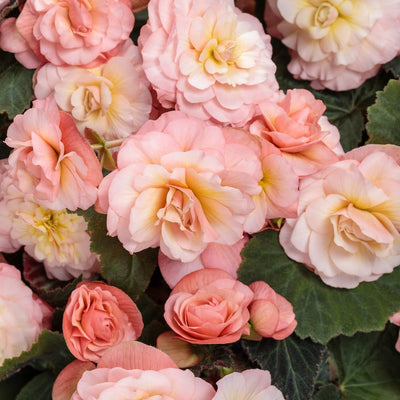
(251, 384)
(67, 32)
(271, 315)
(296, 126)
(336, 44)
(348, 227)
(395, 319)
(22, 314)
(179, 185)
(97, 317)
(215, 255)
(209, 306)
(112, 99)
(208, 59)
(50, 158)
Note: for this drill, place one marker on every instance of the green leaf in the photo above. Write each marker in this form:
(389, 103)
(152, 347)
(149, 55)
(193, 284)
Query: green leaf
(130, 273)
(16, 90)
(322, 311)
(368, 365)
(384, 116)
(49, 353)
(393, 67)
(39, 388)
(328, 392)
(294, 364)
(10, 387)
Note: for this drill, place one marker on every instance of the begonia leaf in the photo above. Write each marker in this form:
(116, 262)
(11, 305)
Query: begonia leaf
(368, 365)
(322, 311)
(293, 363)
(16, 90)
(130, 273)
(393, 67)
(38, 388)
(10, 387)
(384, 116)
(49, 353)
(328, 392)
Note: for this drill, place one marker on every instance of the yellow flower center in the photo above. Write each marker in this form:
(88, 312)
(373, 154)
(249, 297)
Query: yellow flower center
(325, 15)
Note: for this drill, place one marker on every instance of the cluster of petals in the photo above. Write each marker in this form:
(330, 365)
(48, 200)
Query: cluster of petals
(111, 99)
(295, 125)
(22, 314)
(336, 44)
(67, 32)
(207, 59)
(179, 185)
(347, 229)
(50, 158)
(97, 317)
(57, 238)
(210, 306)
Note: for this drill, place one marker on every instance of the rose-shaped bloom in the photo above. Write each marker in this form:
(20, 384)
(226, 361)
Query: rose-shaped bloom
(22, 314)
(179, 185)
(97, 317)
(164, 384)
(296, 126)
(349, 220)
(112, 99)
(336, 44)
(67, 32)
(209, 306)
(251, 384)
(271, 315)
(51, 160)
(208, 59)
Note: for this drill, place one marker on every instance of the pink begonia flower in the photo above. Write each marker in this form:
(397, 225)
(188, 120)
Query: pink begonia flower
(69, 32)
(59, 238)
(215, 255)
(348, 227)
(50, 158)
(209, 307)
(296, 126)
(395, 319)
(22, 314)
(126, 370)
(336, 44)
(271, 315)
(112, 99)
(179, 185)
(208, 59)
(251, 384)
(98, 316)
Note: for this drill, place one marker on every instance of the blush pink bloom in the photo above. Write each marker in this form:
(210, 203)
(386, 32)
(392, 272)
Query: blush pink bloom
(336, 44)
(395, 319)
(112, 99)
(208, 59)
(22, 314)
(348, 226)
(209, 306)
(179, 185)
(251, 384)
(271, 315)
(215, 255)
(68, 32)
(97, 317)
(50, 158)
(296, 126)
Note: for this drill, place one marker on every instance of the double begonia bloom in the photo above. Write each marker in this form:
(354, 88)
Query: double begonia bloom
(348, 226)
(209, 307)
(208, 59)
(67, 32)
(336, 44)
(179, 185)
(295, 125)
(251, 384)
(22, 314)
(112, 99)
(271, 315)
(50, 158)
(97, 317)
